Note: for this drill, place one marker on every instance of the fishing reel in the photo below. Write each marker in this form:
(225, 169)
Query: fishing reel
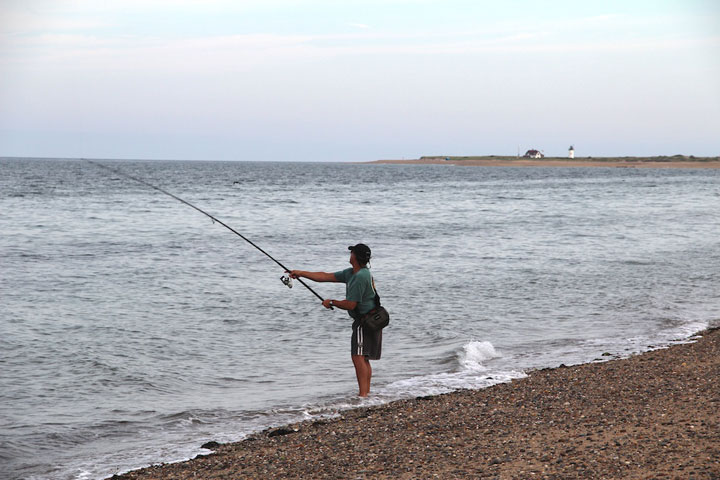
(287, 280)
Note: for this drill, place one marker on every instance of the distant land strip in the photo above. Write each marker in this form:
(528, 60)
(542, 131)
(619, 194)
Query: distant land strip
(675, 161)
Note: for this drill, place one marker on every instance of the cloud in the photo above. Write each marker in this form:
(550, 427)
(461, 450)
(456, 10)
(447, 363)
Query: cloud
(82, 42)
(25, 22)
(230, 53)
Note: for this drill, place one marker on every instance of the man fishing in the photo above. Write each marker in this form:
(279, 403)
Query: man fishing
(365, 344)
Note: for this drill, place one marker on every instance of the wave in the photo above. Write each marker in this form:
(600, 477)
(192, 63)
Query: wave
(475, 354)
(472, 372)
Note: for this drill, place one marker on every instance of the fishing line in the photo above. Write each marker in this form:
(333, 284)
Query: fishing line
(286, 280)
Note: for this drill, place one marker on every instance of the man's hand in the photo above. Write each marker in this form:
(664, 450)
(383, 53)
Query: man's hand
(326, 303)
(295, 273)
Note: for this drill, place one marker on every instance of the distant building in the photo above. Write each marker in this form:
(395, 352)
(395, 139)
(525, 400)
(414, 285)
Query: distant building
(571, 152)
(533, 154)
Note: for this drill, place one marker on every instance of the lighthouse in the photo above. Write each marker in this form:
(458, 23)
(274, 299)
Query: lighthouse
(571, 152)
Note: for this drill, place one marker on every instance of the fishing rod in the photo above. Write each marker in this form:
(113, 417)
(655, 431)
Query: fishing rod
(286, 280)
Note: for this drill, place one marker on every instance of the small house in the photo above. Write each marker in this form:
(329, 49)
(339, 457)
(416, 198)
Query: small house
(533, 154)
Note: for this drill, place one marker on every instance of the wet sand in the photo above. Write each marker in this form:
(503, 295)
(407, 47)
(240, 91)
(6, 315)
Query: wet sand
(617, 162)
(650, 416)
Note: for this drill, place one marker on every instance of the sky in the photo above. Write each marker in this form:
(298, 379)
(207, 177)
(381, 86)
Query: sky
(291, 80)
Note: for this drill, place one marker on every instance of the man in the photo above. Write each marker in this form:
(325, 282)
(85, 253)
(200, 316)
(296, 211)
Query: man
(365, 344)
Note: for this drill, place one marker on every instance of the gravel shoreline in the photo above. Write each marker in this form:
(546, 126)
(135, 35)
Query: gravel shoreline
(654, 415)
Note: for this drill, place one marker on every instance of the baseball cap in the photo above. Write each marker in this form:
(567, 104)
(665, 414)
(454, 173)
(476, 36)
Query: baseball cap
(362, 251)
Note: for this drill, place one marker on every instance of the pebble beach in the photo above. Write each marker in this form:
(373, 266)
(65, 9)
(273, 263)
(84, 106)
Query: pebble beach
(650, 416)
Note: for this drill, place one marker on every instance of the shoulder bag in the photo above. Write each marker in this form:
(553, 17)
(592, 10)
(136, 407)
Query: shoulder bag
(377, 318)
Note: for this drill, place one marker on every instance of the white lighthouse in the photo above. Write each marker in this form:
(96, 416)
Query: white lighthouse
(571, 152)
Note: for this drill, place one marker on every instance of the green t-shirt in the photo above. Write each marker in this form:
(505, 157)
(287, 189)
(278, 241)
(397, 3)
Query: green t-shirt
(358, 288)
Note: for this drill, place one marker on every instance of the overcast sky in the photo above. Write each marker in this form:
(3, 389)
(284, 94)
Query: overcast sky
(357, 80)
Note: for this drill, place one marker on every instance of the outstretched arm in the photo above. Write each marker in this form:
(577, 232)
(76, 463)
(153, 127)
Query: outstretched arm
(314, 276)
(343, 304)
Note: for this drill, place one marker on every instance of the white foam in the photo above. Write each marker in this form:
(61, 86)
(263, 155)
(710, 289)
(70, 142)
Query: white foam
(84, 475)
(440, 383)
(691, 328)
(474, 354)
(664, 338)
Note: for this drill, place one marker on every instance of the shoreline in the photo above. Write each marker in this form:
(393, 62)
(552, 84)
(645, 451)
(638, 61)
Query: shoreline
(607, 162)
(651, 415)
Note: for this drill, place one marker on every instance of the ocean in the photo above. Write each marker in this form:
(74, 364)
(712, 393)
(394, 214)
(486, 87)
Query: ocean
(133, 329)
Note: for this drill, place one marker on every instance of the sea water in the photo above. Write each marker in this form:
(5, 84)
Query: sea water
(133, 329)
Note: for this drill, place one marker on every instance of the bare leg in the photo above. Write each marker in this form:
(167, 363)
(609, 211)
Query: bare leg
(363, 372)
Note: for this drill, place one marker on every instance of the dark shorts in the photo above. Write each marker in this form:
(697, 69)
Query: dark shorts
(366, 342)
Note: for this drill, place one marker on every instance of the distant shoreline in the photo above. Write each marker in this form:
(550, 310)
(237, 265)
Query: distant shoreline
(677, 161)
